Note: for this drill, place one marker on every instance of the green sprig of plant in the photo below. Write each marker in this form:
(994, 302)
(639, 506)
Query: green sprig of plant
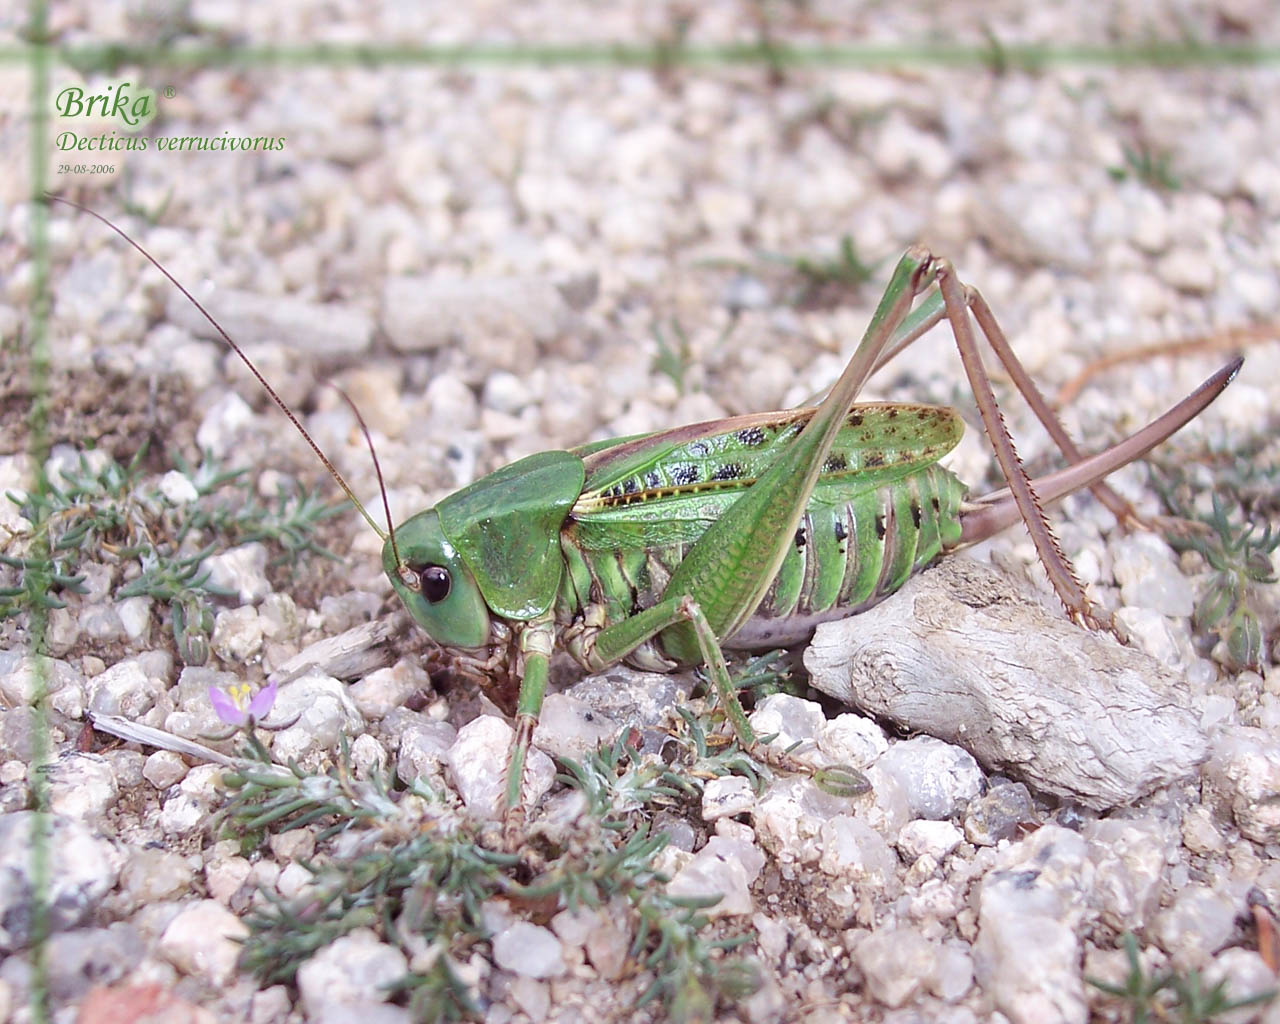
(1239, 555)
(113, 514)
(417, 871)
(1153, 169)
(1159, 995)
(672, 361)
(823, 277)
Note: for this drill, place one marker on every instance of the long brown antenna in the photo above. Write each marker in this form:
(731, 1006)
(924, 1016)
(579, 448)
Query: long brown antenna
(245, 359)
(377, 466)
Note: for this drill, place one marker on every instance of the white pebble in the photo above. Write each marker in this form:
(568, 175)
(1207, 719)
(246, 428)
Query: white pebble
(202, 941)
(477, 765)
(529, 950)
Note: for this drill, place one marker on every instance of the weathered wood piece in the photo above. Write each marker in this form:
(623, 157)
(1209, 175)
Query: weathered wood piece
(963, 654)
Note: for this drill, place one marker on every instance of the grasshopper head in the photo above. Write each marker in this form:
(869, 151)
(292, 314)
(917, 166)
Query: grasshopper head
(435, 584)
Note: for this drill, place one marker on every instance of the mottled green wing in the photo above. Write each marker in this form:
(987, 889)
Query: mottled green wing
(677, 481)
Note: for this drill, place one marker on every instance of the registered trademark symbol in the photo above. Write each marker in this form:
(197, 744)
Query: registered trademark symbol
(170, 92)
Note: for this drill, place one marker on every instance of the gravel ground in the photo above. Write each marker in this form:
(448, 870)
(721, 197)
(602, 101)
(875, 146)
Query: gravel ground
(500, 260)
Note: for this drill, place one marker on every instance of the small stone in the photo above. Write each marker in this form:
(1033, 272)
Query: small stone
(294, 880)
(788, 818)
(506, 393)
(954, 974)
(570, 727)
(356, 968)
(180, 814)
(153, 875)
(1187, 271)
(745, 292)
(531, 996)
(346, 611)
(902, 150)
(885, 808)
(197, 796)
(18, 732)
(83, 869)
(1032, 222)
(642, 699)
(923, 837)
(178, 489)
(1243, 975)
(727, 796)
(221, 425)
(938, 778)
(278, 616)
(998, 814)
(296, 844)
(320, 709)
(327, 329)
(126, 688)
(795, 723)
(451, 403)
(78, 959)
(724, 867)
(1149, 575)
(422, 313)
(477, 765)
(127, 766)
(135, 618)
(1243, 779)
(1199, 834)
(164, 768)
(1198, 924)
(896, 963)
(573, 926)
(382, 691)
(101, 623)
(62, 629)
(81, 786)
(1216, 709)
(143, 1003)
(242, 570)
(237, 634)
(529, 950)
(1129, 856)
(1027, 952)
(423, 746)
(608, 943)
(225, 877)
(22, 681)
(270, 1006)
(852, 849)
(202, 940)
(368, 757)
(853, 740)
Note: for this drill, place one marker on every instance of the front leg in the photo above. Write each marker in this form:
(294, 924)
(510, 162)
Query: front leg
(533, 664)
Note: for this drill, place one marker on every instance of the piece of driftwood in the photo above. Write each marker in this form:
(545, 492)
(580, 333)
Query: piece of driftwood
(148, 736)
(356, 652)
(963, 654)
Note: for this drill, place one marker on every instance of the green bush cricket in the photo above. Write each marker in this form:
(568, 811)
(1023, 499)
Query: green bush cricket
(663, 549)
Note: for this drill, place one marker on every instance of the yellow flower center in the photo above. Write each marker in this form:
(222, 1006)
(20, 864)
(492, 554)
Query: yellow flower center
(241, 694)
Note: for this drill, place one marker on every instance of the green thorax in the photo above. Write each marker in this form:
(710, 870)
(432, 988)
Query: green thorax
(506, 527)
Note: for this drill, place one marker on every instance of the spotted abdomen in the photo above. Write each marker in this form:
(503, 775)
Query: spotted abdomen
(848, 555)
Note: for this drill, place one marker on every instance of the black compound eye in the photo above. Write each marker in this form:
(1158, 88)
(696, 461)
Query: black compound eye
(436, 583)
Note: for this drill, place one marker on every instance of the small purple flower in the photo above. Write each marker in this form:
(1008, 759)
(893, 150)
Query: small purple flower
(237, 705)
